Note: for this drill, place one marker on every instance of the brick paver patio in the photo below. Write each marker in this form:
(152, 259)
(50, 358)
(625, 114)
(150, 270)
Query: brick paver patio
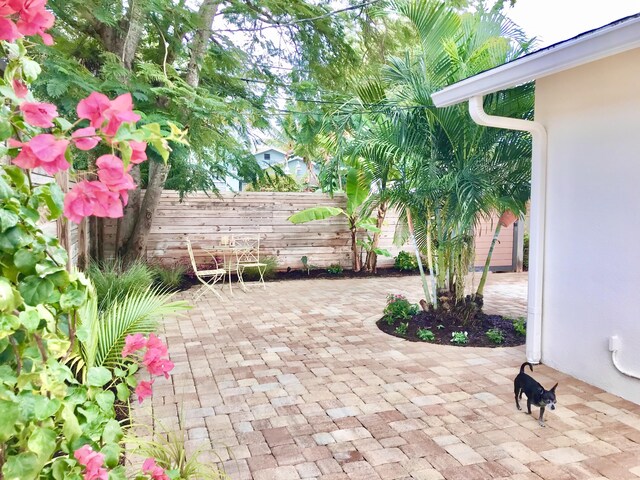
(296, 382)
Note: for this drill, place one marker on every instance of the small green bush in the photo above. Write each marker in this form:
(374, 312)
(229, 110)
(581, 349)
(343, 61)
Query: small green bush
(525, 253)
(399, 308)
(113, 280)
(251, 274)
(425, 335)
(335, 269)
(520, 326)
(402, 328)
(170, 278)
(460, 338)
(495, 335)
(406, 262)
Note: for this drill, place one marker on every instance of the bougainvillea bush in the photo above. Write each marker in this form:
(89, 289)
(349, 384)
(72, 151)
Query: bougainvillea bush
(58, 420)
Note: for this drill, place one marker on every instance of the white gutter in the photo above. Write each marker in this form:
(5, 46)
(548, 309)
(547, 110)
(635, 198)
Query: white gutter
(615, 344)
(538, 215)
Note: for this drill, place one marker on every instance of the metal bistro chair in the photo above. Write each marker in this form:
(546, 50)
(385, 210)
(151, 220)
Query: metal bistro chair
(208, 278)
(247, 253)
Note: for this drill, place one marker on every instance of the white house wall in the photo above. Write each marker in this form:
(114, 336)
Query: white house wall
(592, 261)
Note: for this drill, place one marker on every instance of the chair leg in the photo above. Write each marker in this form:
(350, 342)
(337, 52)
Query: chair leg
(208, 286)
(261, 272)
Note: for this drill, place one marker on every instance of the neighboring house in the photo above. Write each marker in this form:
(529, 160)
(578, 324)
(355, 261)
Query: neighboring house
(584, 267)
(294, 165)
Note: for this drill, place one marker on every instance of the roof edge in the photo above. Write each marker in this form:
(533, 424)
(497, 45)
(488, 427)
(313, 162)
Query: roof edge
(614, 38)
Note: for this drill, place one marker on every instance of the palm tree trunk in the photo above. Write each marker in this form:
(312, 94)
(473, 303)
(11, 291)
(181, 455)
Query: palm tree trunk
(487, 263)
(357, 261)
(430, 263)
(371, 263)
(423, 277)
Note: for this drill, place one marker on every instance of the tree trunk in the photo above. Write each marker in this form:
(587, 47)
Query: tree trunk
(357, 261)
(134, 32)
(83, 244)
(371, 263)
(206, 14)
(62, 224)
(131, 211)
(487, 263)
(431, 263)
(137, 244)
(423, 277)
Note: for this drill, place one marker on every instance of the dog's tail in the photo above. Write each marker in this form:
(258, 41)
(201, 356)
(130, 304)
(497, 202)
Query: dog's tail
(524, 365)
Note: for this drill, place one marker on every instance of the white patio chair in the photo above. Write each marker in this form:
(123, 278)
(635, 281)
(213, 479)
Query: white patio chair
(208, 278)
(247, 253)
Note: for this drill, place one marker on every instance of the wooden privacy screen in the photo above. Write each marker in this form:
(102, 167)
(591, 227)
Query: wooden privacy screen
(205, 219)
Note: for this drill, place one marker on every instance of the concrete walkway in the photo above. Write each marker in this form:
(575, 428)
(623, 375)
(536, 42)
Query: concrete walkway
(296, 382)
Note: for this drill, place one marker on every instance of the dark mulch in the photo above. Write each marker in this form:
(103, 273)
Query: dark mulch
(449, 324)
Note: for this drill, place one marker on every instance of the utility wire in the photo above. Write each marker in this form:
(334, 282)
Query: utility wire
(301, 20)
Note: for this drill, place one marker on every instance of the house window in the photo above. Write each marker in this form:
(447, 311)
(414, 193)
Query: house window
(267, 156)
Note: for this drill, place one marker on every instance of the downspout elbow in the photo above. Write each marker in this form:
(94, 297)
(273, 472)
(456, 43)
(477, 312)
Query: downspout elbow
(538, 216)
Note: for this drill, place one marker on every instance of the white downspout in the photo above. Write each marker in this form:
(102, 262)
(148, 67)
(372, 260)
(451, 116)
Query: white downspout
(538, 215)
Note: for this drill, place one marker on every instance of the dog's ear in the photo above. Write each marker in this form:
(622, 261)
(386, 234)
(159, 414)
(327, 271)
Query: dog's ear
(553, 389)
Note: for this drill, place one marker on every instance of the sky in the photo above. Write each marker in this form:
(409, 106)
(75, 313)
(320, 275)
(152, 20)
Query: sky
(556, 20)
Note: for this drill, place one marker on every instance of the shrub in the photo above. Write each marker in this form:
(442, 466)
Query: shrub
(525, 253)
(406, 262)
(170, 278)
(460, 338)
(113, 280)
(252, 274)
(402, 328)
(520, 326)
(495, 335)
(335, 269)
(425, 335)
(398, 308)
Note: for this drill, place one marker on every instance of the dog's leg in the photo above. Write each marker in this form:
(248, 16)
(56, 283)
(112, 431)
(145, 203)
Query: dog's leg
(528, 406)
(541, 420)
(516, 390)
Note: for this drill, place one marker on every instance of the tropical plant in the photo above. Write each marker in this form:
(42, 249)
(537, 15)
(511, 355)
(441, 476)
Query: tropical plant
(460, 338)
(357, 190)
(402, 328)
(268, 271)
(520, 326)
(398, 308)
(170, 278)
(113, 279)
(448, 172)
(335, 269)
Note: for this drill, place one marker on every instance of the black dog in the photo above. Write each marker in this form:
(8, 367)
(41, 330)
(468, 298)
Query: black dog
(536, 394)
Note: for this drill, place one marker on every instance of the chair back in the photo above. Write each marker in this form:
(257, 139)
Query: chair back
(192, 257)
(247, 248)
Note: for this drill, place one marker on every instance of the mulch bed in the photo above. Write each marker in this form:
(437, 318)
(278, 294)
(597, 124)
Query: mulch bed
(449, 323)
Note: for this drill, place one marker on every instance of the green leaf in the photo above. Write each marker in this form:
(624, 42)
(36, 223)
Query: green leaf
(18, 176)
(70, 428)
(24, 466)
(44, 407)
(118, 473)
(98, 376)
(43, 442)
(30, 318)
(357, 190)
(35, 290)
(315, 213)
(14, 238)
(105, 400)
(112, 432)
(30, 69)
(25, 260)
(5, 130)
(382, 251)
(5, 190)
(9, 413)
(123, 392)
(8, 325)
(111, 454)
(72, 298)
(7, 219)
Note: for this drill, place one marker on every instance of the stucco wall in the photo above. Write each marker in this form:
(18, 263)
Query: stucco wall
(592, 260)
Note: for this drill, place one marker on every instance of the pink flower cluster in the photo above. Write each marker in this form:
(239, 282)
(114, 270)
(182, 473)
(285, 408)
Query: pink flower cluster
(155, 359)
(20, 18)
(151, 468)
(92, 462)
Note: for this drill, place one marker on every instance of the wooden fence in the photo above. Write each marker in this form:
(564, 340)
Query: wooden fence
(205, 219)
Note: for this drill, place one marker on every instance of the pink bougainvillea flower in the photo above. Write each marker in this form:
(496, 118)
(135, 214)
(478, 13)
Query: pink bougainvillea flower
(139, 151)
(39, 114)
(35, 19)
(20, 88)
(85, 138)
(8, 30)
(156, 347)
(92, 462)
(43, 150)
(93, 107)
(9, 7)
(111, 173)
(150, 467)
(91, 198)
(144, 390)
(120, 111)
(156, 359)
(133, 343)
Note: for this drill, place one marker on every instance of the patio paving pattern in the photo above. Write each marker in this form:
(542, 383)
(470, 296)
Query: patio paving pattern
(296, 382)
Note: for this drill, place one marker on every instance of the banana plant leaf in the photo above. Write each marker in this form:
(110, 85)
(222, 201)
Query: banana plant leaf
(315, 213)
